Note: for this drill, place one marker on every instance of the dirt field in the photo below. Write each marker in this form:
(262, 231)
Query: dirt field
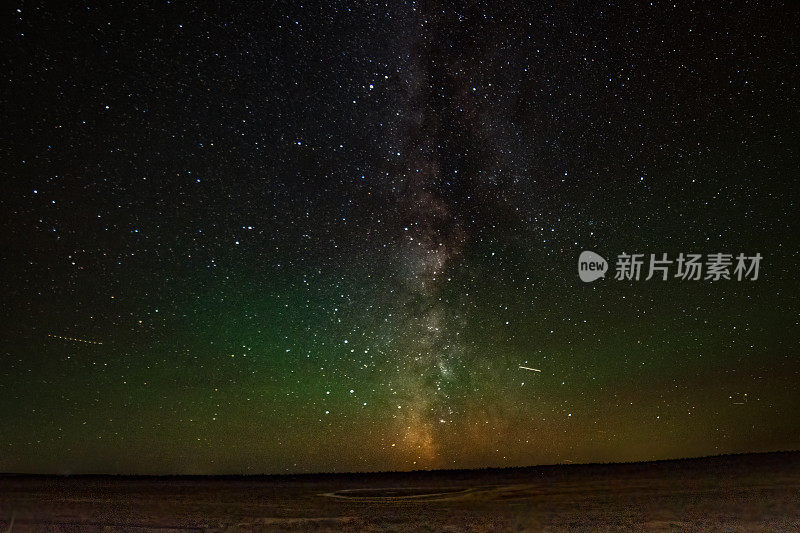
(735, 493)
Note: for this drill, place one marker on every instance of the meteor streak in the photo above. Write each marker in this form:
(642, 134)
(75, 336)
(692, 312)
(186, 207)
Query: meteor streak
(529, 368)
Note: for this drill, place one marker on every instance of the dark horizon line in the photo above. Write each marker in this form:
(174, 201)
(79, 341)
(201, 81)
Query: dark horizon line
(8, 475)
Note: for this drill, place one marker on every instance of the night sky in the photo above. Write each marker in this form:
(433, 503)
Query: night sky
(306, 238)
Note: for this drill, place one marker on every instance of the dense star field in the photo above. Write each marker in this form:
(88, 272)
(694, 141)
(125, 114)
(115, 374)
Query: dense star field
(307, 238)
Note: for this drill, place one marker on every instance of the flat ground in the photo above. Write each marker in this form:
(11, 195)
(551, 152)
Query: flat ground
(735, 493)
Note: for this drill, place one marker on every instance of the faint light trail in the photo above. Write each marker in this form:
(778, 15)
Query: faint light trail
(85, 341)
(529, 368)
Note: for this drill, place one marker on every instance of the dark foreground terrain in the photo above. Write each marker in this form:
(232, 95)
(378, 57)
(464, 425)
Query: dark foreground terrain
(759, 492)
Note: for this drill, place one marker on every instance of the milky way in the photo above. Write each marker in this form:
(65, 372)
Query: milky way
(436, 134)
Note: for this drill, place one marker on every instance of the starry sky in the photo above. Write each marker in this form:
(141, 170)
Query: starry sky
(325, 237)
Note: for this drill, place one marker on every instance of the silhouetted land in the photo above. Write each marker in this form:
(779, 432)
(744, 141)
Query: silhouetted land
(732, 493)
